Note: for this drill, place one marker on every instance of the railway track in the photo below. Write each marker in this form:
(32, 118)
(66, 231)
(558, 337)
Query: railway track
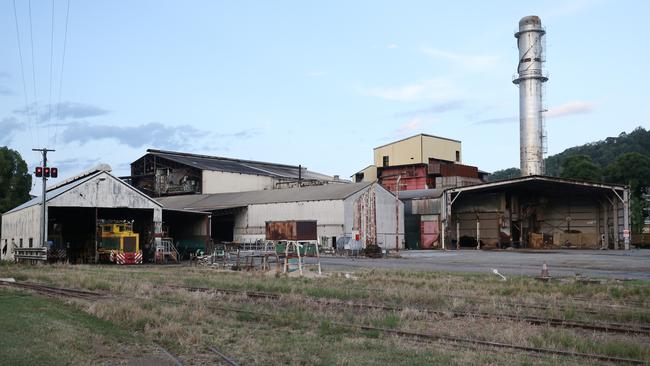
(55, 291)
(469, 343)
(586, 305)
(419, 336)
(535, 320)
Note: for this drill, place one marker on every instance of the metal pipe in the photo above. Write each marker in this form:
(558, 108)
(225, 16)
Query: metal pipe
(399, 177)
(530, 76)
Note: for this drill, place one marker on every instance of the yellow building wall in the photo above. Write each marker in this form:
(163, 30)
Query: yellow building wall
(417, 150)
(441, 149)
(370, 174)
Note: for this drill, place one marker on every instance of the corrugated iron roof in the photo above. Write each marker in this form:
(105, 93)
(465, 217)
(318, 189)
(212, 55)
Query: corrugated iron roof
(218, 163)
(539, 179)
(210, 202)
(60, 189)
(420, 193)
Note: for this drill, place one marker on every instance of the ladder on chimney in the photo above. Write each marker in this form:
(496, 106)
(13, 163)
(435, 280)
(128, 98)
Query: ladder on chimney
(166, 252)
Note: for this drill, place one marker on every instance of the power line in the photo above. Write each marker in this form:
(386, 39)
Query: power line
(22, 74)
(65, 42)
(49, 105)
(31, 36)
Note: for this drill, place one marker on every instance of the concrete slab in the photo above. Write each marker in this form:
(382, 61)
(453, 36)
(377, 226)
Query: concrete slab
(633, 264)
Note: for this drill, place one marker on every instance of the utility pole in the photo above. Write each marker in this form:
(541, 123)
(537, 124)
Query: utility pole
(44, 173)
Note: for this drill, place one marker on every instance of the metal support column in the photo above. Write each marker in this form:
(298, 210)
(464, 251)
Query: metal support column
(626, 218)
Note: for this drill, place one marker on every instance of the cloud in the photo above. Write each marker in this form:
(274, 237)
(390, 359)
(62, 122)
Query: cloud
(392, 46)
(570, 108)
(563, 110)
(63, 111)
(5, 91)
(147, 134)
(434, 109)
(470, 62)
(412, 126)
(243, 134)
(437, 89)
(68, 166)
(8, 126)
(498, 120)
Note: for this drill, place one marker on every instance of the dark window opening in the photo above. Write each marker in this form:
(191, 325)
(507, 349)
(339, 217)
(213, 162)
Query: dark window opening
(334, 242)
(457, 155)
(385, 161)
(21, 242)
(31, 242)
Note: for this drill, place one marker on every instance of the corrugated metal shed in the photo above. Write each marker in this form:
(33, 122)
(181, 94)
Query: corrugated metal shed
(217, 163)
(209, 202)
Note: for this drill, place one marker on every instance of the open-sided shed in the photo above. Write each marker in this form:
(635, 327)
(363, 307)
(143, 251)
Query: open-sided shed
(537, 212)
(73, 209)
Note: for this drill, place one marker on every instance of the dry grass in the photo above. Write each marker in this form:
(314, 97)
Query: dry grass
(299, 329)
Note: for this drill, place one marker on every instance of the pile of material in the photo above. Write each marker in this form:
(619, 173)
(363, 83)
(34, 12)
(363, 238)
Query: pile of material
(373, 251)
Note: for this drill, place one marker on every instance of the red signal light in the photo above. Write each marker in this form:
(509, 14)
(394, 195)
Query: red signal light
(38, 172)
(46, 172)
(54, 172)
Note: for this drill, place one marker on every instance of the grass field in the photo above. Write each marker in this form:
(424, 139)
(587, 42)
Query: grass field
(309, 322)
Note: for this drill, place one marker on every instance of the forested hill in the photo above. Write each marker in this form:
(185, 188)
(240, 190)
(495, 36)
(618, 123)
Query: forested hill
(602, 153)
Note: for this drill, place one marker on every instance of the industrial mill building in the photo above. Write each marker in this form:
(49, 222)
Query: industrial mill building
(366, 209)
(165, 173)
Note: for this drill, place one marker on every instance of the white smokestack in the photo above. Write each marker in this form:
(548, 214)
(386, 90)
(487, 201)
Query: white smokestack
(530, 76)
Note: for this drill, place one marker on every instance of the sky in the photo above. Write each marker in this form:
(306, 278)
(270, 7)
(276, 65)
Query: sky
(306, 82)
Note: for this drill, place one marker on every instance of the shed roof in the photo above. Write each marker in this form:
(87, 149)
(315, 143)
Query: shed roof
(209, 202)
(538, 180)
(218, 163)
(60, 189)
(420, 193)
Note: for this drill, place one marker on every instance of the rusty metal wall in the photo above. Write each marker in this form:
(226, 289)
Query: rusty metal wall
(291, 230)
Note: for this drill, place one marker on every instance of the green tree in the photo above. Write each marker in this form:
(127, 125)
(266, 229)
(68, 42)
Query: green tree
(504, 174)
(632, 169)
(581, 167)
(15, 180)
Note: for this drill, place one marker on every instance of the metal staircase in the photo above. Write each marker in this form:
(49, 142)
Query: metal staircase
(166, 252)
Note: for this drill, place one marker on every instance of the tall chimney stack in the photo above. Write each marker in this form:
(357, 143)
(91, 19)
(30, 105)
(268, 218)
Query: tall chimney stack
(530, 76)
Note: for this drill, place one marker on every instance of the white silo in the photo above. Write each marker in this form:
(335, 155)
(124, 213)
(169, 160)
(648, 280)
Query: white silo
(530, 77)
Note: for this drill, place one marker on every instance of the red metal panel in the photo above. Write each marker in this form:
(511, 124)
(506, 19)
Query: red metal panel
(291, 230)
(411, 177)
(429, 232)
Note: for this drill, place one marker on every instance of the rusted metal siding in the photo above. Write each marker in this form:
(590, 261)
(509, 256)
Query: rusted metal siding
(291, 230)
(388, 217)
(411, 177)
(450, 170)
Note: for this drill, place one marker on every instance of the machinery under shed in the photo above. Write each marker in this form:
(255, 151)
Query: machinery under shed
(536, 212)
(81, 211)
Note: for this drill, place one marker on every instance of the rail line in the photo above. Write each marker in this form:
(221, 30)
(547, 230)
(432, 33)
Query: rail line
(52, 290)
(457, 341)
(535, 320)
(465, 342)
(225, 358)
